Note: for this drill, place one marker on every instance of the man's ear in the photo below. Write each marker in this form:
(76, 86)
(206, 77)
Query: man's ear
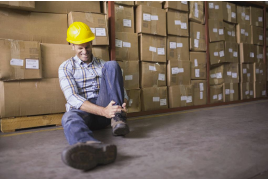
(73, 46)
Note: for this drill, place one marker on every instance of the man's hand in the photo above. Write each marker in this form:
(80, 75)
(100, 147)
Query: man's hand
(124, 106)
(110, 110)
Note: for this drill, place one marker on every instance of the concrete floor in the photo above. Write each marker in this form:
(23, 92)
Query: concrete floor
(225, 142)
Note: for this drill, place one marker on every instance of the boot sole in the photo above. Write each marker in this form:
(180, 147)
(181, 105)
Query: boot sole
(121, 130)
(87, 157)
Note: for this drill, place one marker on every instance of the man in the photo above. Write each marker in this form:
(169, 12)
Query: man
(95, 98)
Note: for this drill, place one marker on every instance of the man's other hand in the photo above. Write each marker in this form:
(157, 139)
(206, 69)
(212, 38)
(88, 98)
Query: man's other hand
(110, 110)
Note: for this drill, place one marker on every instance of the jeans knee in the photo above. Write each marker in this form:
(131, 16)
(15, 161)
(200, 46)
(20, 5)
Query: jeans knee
(111, 65)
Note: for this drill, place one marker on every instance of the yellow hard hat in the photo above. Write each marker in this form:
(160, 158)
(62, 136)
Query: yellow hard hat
(79, 33)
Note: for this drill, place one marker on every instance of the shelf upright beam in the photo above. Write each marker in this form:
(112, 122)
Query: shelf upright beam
(264, 46)
(111, 16)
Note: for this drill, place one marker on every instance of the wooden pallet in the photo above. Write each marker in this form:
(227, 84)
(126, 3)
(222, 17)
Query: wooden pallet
(11, 124)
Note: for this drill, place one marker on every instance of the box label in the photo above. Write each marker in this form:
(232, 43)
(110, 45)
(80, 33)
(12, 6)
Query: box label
(248, 74)
(221, 53)
(220, 96)
(152, 68)
(215, 96)
(227, 91)
(243, 14)
(216, 54)
(128, 77)
(217, 7)
(244, 70)
(16, 62)
(196, 43)
(251, 93)
(126, 44)
(196, 13)
(246, 92)
(213, 76)
(218, 75)
(195, 62)
(211, 5)
(231, 91)
(179, 45)
(183, 98)
(130, 102)
(161, 51)
(184, 2)
(189, 99)
(92, 30)
(118, 43)
(229, 73)
(177, 22)
(246, 33)
(259, 56)
(228, 6)
(233, 33)
(163, 102)
(221, 31)
(156, 99)
(146, 17)
(235, 54)
(197, 73)
(201, 86)
(176, 70)
(260, 37)
(100, 32)
(161, 77)
(172, 45)
(126, 22)
(229, 33)
(184, 25)
(32, 64)
(215, 30)
(234, 75)
(242, 31)
(230, 50)
(154, 17)
(252, 54)
(152, 49)
(233, 15)
(201, 95)
(257, 71)
(260, 19)
(263, 93)
(261, 71)
(247, 18)
(198, 35)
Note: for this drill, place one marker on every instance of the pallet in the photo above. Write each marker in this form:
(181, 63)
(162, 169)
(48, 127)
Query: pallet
(14, 123)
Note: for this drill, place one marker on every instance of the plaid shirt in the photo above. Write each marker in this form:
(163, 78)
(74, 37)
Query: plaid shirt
(80, 81)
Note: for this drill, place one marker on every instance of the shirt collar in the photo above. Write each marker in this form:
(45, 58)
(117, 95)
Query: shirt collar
(79, 61)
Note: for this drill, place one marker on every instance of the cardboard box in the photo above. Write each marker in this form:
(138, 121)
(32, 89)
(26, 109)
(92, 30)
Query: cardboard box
(200, 92)
(246, 73)
(64, 7)
(231, 52)
(229, 12)
(124, 18)
(216, 30)
(248, 53)
(131, 74)
(266, 38)
(266, 20)
(151, 20)
(126, 46)
(216, 94)
(243, 33)
(231, 73)
(101, 52)
(157, 4)
(176, 5)
(128, 3)
(259, 53)
(134, 102)
(97, 24)
(259, 70)
(243, 15)
(197, 37)
(246, 90)
(178, 73)
(216, 53)
(153, 74)
(177, 23)
(215, 10)
(230, 92)
(256, 16)
(229, 32)
(152, 48)
(257, 35)
(24, 5)
(180, 96)
(31, 97)
(196, 11)
(177, 48)
(198, 65)
(259, 89)
(154, 98)
(20, 60)
(216, 75)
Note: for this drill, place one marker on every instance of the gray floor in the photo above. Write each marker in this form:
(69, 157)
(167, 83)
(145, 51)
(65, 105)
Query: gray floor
(226, 142)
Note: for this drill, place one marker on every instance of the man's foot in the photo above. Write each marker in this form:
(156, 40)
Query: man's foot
(119, 125)
(86, 156)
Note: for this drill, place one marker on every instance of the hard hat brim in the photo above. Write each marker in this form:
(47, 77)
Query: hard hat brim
(80, 41)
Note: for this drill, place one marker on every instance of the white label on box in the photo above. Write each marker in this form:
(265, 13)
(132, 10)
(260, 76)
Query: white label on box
(189, 99)
(161, 77)
(235, 54)
(220, 96)
(263, 93)
(16, 62)
(126, 44)
(251, 93)
(221, 53)
(260, 19)
(221, 32)
(257, 71)
(176, 70)
(248, 74)
(184, 2)
(172, 45)
(179, 45)
(121, 7)
(101, 32)
(244, 70)
(246, 92)
(260, 37)
(154, 17)
(201, 86)
(195, 62)
(232, 91)
(196, 13)
(127, 22)
(217, 7)
(198, 35)
(195, 5)
(229, 73)
(128, 77)
(118, 43)
(211, 5)
(234, 75)
(230, 50)
(252, 54)
(184, 25)
(229, 33)
(146, 17)
(246, 33)
(213, 76)
(201, 95)
(215, 96)
(233, 15)
(227, 91)
(152, 68)
(228, 6)
(152, 49)
(215, 30)
(197, 72)
(233, 33)
(130, 102)
(163, 102)
(156, 99)
(261, 71)
(183, 98)
(196, 43)
(177, 22)
(161, 51)
(259, 56)
(32, 64)
(218, 75)
(247, 17)
(92, 30)
(242, 31)
(216, 54)
(243, 14)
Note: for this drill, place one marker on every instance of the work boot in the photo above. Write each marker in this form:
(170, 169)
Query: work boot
(86, 156)
(119, 125)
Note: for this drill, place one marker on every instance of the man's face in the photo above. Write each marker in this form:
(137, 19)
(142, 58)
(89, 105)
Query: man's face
(84, 51)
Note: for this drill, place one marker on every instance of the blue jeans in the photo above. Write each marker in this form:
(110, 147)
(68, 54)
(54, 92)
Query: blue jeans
(78, 124)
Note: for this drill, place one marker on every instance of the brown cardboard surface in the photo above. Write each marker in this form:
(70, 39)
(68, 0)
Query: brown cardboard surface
(216, 30)
(128, 3)
(126, 46)
(231, 52)
(20, 60)
(154, 98)
(177, 48)
(246, 73)
(229, 32)
(152, 74)
(196, 11)
(246, 90)
(216, 53)
(176, 5)
(230, 92)
(229, 12)
(259, 89)
(157, 4)
(215, 10)
(150, 20)
(24, 5)
(131, 74)
(31, 97)
(243, 33)
(180, 96)
(124, 18)
(101, 52)
(197, 37)
(259, 52)
(248, 53)
(266, 38)
(177, 23)
(152, 48)
(216, 75)
(243, 15)
(178, 73)
(256, 16)
(198, 65)
(266, 20)
(216, 94)
(257, 35)
(231, 73)
(200, 92)
(134, 102)
(259, 72)
(96, 22)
